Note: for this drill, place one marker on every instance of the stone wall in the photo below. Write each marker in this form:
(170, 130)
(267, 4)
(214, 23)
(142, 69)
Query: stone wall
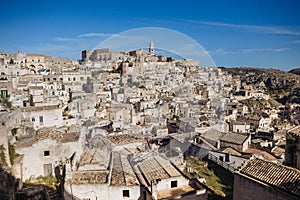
(8, 121)
(248, 189)
(41, 157)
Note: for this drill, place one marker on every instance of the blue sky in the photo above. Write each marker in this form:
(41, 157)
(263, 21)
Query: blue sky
(254, 33)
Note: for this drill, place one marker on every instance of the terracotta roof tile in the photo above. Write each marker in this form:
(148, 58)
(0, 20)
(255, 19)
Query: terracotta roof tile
(122, 172)
(156, 168)
(236, 138)
(283, 177)
(89, 177)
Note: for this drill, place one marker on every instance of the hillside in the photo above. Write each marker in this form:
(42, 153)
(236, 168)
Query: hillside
(295, 71)
(282, 86)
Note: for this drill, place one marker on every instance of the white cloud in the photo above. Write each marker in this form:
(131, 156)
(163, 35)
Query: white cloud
(264, 50)
(95, 35)
(62, 39)
(254, 28)
(220, 52)
(82, 36)
(245, 51)
(85, 36)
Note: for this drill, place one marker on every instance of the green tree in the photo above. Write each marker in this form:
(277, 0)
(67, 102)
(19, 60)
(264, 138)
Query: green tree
(2, 154)
(12, 153)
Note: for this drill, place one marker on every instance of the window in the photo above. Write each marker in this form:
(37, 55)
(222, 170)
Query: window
(47, 153)
(221, 158)
(226, 157)
(173, 184)
(126, 193)
(4, 93)
(33, 119)
(41, 119)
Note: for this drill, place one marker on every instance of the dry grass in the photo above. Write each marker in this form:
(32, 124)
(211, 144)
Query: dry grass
(218, 183)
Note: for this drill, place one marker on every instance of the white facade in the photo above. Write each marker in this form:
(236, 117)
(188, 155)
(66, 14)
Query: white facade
(41, 157)
(88, 191)
(118, 192)
(233, 160)
(264, 123)
(241, 128)
(46, 116)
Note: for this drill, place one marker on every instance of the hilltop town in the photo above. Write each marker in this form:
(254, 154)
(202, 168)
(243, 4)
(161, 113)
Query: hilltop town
(136, 125)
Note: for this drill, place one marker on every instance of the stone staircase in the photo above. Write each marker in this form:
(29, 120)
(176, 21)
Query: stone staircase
(52, 194)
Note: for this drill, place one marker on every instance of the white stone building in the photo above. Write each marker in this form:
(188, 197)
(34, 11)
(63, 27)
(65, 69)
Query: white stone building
(40, 156)
(43, 116)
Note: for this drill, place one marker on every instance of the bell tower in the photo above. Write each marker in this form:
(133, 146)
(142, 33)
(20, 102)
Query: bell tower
(151, 48)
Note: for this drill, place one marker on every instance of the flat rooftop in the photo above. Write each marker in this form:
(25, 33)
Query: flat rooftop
(193, 188)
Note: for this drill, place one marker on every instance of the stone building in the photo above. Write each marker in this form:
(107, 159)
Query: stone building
(10, 70)
(164, 181)
(120, 114)
(240, 127)
(38, 63)
(104, 55)
(238, 141)
(6, 88)
(82, 106)
(8, 121)
(151, 48)
(117, 182)
(43, 116)
(259, 179)
(34, 62)
(228, 157)
(138, 176)
(292, 148)
(41, 154)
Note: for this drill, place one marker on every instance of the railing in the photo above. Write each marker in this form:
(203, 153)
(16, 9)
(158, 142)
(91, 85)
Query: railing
(221, 163)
